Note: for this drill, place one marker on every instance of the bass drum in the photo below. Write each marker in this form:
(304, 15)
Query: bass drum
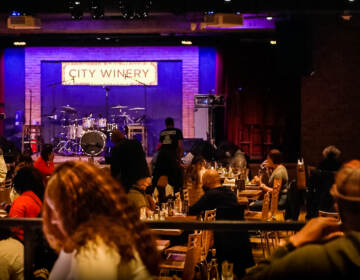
(93, 142)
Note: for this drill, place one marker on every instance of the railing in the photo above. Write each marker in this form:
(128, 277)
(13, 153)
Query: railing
(30, 224)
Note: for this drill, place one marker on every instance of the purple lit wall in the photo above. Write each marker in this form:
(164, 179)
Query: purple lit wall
(189, 57)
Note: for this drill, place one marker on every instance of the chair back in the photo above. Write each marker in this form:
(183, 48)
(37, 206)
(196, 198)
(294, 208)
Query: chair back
(191, 259)
(265, 206)
(207, 238)
(275, 196)
(194, 239)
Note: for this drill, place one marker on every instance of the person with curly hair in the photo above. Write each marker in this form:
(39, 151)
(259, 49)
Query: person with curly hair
(87, 219)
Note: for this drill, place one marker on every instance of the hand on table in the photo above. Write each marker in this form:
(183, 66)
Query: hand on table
(317, 230)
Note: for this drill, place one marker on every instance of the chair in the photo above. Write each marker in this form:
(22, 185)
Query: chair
(275, 200)
(207, 240)
(262, 215)
(194, 239)
(184, 262)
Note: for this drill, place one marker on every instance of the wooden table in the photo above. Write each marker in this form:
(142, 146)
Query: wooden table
(162, 244)
(251, 194)
(166, 231)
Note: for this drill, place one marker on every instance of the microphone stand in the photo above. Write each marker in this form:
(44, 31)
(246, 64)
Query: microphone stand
(52, 85)
(106, 102)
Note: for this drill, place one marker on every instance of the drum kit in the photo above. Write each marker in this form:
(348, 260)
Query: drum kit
(88, 135)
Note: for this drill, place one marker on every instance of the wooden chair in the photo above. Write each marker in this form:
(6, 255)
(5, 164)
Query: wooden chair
(260, 237)
(260, 215)
(194, 239)
(275, 198)
(185, 263)
(207, 240)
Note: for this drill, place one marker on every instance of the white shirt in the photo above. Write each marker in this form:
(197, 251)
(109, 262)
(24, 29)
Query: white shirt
(11, 259)
(97, 261)
(3, 169)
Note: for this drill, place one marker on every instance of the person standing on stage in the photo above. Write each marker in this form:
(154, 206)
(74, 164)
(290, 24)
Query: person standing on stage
(167, 167)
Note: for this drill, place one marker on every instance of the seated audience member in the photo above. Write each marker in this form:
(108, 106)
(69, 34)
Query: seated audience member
(274, 162)
(3, 168)
(323, 248)
(138, 198)
(320, 181)
(216, 196)
(193, 179)
(88, 220)
(11, 257)
(29, 185)
(234, 247)
(127, 161)
(45, 163)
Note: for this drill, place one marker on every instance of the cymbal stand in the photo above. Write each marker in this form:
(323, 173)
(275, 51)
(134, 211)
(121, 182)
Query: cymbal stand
(106, 102)
(53, 85)
(145, 91)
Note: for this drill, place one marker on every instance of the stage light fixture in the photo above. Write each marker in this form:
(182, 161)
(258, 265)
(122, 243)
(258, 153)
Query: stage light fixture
(15, 14)
(19, 43)
(75, 9)
(273, 42)
(186, 42)
(97, 9)
(134, 9)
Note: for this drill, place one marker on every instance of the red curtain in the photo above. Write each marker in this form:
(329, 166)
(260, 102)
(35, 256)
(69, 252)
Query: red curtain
(255, 120)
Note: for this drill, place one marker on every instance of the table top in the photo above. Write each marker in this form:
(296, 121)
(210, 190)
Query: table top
(162, 244)
(165, 231)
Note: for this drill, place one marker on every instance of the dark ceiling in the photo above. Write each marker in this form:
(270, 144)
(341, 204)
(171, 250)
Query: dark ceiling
(183, 6)
(168, 23)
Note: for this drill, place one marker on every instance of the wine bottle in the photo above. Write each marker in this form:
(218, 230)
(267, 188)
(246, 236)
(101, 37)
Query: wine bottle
(213, 272)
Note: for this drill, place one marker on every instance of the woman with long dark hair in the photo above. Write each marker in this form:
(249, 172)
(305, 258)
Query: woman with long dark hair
(88, 220)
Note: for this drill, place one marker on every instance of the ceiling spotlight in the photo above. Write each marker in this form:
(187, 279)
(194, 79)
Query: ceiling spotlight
(273, 42)
(269, 18)
(96, 9)
(15, 14)
(75, 9)
(134, 9)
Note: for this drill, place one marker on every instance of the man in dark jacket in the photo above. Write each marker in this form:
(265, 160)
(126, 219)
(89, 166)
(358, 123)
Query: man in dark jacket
(231, 246)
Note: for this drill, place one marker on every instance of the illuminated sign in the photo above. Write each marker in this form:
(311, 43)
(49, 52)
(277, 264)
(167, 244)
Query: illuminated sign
(109, 73)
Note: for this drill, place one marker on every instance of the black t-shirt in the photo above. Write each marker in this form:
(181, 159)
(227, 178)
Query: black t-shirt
(170, 137)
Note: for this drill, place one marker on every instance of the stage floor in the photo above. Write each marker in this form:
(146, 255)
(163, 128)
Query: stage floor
(58, 159)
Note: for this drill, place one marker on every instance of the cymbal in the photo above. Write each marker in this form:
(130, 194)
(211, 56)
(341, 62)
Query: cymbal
(67, 108)
(119, 107)
(137, 109)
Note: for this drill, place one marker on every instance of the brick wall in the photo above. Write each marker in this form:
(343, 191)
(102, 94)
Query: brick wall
(188, 55)
(331, 97)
